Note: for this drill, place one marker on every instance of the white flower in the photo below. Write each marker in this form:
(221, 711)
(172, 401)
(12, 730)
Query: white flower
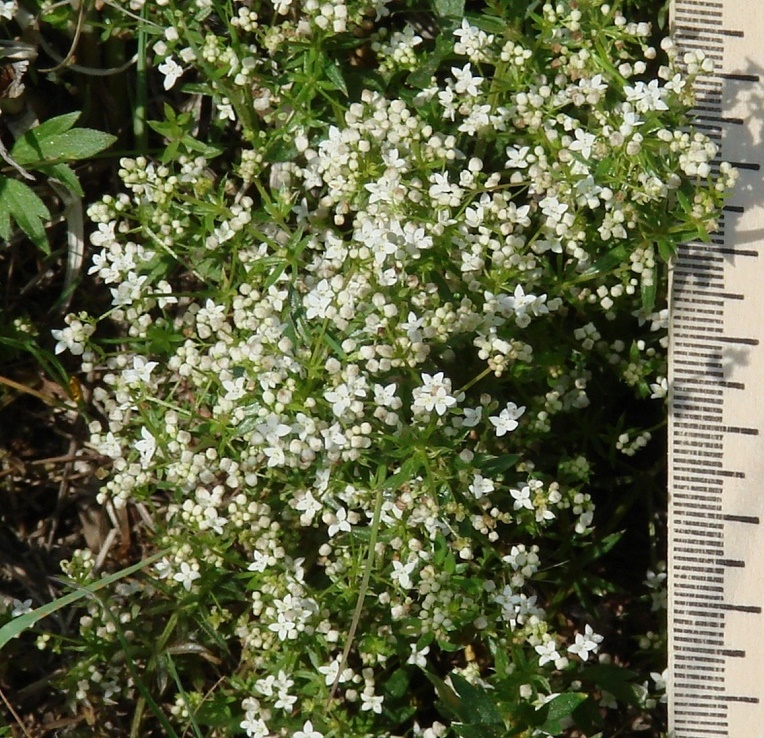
(517, 157)
(337, 522)
(255, 727)
(646, 96)
(371, 702)
(331, 670)
(146, 447)
(434, 394)
(309, 506)
(506, 421)
(401, 573)
(465, 82)
(141, 371)
(522, 498)
(260, 562)
(481, 486)
(583, 144)
(21, 608)
(187, 575)
(307, 731)
(8, 9)
(172, 72)
(418, 658)
(547, 652)
(659, 389)
(585, 644)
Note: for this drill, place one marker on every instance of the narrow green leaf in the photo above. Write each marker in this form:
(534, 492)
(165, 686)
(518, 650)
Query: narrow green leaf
(24, 622)
(648, 291)
(608, 262)
(666, 249)
(450, 703)
(335, 76)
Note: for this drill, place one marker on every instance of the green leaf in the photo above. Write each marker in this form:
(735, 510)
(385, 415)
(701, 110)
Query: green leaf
(449, 8)
(398, 683)
(65, 175)
(335, 76)
(609, 261)
(449, 701)
(19, 202)
(422, 77)
(282, 150)
(493, 465)
(477, 707)
(480, 731)
(57, 126)
(24, 622)
(39, 147)
(615, 680)
(666, 249)
(559, 709)
(647, 291)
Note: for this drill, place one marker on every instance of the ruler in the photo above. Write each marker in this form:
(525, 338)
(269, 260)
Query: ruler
(716, 425)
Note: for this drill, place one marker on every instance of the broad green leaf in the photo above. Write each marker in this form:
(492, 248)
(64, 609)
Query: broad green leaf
(449, 8)
(57, 126)
(481, 730)
(559, 709)
(615, 680)
(24, 622)
(78, 143)
(65, 175)
(19, 202)
(398, 683)
(477, 706)
(282, 150)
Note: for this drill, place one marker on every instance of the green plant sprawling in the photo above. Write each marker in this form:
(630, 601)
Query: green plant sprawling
(383, 370)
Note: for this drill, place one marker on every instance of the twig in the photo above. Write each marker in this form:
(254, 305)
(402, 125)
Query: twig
(15, 714)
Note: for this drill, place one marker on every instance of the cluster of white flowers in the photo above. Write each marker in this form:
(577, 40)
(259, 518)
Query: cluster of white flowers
(374, 341)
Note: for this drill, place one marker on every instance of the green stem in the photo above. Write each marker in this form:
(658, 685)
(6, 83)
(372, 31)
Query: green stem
(362, 592)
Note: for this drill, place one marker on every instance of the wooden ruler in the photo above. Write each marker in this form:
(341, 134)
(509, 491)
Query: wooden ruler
(716, 428)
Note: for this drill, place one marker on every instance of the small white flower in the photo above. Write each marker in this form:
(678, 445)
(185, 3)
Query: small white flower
(586, 643)
(506, 421)
(146, 447)
(8, 9)
(547, 652)
(21, 608)
(308, 731)
(172, 72)
(434, 394)
(481, 486)
(187, 575)
(418, 658)
(371, 702)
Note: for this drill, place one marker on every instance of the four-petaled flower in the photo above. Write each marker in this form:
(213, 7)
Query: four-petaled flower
(586, 643)
(506, 421)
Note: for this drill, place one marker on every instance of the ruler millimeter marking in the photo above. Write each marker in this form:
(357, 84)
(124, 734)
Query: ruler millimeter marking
(716, 373)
